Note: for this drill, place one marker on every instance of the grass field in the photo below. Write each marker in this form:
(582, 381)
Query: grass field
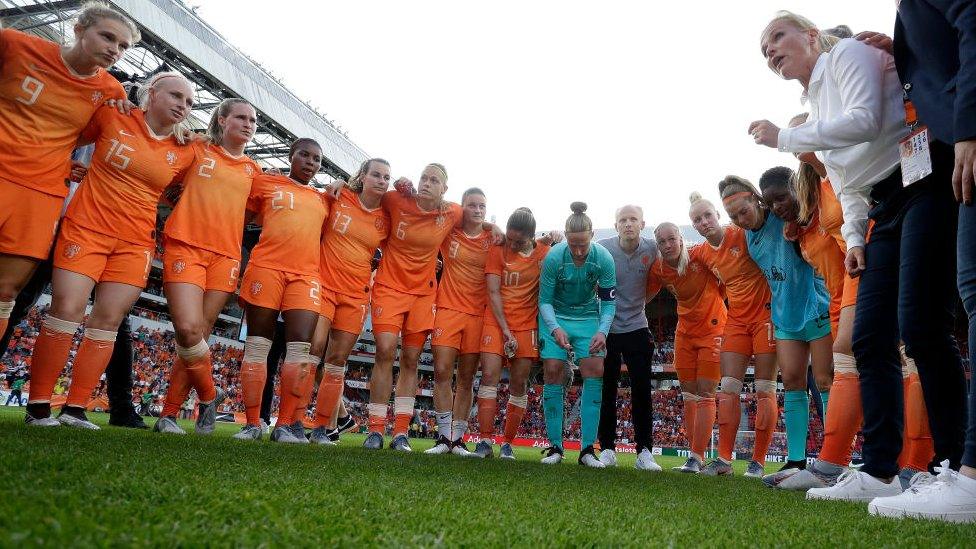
(65, 487)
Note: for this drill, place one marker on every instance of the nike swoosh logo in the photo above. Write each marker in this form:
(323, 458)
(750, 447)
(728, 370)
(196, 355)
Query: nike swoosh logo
(34, 67)
(126, 134)
(343, 205)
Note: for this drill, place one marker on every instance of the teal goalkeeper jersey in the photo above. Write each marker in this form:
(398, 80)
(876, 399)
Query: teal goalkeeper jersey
(578, 293)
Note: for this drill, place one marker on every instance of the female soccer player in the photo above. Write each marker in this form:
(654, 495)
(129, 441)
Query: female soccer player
(576, 305)
(698, 337)
(461, 300)
(48, 94)
(282, 277)
(858, 118)
(106, 241)
(748, 332)
(799, 312)
(202, 260)
(358, 227)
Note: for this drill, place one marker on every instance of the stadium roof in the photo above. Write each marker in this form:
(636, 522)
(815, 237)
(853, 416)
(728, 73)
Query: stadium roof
(174, 37)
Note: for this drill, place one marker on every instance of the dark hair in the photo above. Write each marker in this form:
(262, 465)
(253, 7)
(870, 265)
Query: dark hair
(779, 177)
(302, 141)
(522, 221)
(471, 191)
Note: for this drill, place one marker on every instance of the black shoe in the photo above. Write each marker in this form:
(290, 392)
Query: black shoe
(345, 424)
(797, 464)
(333, 435)
(129, 419)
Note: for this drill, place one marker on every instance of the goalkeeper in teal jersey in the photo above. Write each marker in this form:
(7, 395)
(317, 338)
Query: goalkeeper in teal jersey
(576, 308)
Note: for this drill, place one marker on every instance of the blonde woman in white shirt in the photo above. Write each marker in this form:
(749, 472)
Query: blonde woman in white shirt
(907, 267)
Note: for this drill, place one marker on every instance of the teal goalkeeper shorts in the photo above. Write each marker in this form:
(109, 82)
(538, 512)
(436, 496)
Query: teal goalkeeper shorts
(812, 331)
(580, 333)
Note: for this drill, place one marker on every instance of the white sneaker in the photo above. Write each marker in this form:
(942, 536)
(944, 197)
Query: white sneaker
(949, 496)
(645, 462)
(608, 458)
(553, 456)
(856, 486)
(443, 446)
(591, 460)
(76, 422)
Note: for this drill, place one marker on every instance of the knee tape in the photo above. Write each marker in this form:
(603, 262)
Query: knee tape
(256, 349)
(844, 364)
(731, 385)
(195, 353)
(297, 352)
(765, 386)
(485, 391)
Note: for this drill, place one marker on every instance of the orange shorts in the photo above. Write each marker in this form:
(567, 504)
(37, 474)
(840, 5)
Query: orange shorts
(492, 341)
(102, 257)
(749, 339)
(697, 357)
(345, 313)
(28, 220)
(396, 312)
(279, 290)
(208, 270)
(457, 330)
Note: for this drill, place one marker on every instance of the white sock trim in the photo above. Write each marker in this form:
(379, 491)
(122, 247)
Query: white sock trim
(765, 386)
(403, 405)
(6, 307)
(256, 349)
(689, 397)
(314, 360)
(376, 410)
(101, 335)
(519, 401)
(486, 391)
(192, 354)
(297, 352)
(731, 385)
(334, 369)
(61, 326)
(845, 364)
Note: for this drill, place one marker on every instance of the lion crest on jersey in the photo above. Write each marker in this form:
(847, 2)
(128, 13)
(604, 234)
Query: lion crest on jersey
(438, 332)
(694, 267)
(248, 169)
(72, 250)
(171, 158)
(256, 288)
(380, 224)
(178, 266)
(735, 251)
(487, 340)
(97, 96)
(440, 220)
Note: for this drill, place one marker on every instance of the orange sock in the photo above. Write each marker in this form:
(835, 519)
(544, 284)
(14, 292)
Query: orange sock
(729, 414)
(330, 391)
(377, 417)
(688, 415)
(844, 418)
(178, 389)
(402, 414)
(307, 385)
(93, 355)
(253, 377)
(704, 420)
(290, 392)
(513, 416)
(918, 449)
(200, 375)
(487, 410)
(767, 412)
(50, 356)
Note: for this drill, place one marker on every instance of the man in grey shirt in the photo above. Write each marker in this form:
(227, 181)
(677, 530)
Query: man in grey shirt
(629, 341)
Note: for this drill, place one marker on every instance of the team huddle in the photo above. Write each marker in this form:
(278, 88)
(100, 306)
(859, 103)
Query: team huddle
(775, 290)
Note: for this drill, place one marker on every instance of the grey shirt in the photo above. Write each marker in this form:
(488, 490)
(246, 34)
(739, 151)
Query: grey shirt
(631, 283)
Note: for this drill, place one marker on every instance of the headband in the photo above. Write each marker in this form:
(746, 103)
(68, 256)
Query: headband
(740, 194)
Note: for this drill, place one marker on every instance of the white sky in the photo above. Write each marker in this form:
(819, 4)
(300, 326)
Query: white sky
(543, 102)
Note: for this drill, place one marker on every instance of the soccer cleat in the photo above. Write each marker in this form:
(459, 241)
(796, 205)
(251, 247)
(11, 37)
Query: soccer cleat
(814, 476)
(374, 441)
(265, 428)
(334, 435)
(283, 433)
(128, 419)
(249, 432)
(856, 486)
(320, 435)
(645, 462)
(344, 425)
(506, 452)
(79, 421)
(717, 468)
(693, 465)
(169, 426)
(41, 421)
(754, 469)
(298, 429)
(554, 455)
(948, 496)
(443, 446)
(588, 458)
(459, 448)
(483, 450)
(789, 469)
(608, 458)
(401, 444)
(207, 414)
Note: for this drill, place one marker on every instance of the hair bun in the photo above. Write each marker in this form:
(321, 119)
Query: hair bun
(694, 197)
(578, 207)
(523, 209)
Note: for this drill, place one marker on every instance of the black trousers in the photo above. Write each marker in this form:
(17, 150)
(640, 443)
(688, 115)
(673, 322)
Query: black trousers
(635, 349)
(118, 374)
(275, 355)
(908, 293)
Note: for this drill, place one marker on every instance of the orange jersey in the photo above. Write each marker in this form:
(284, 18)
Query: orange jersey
(831, 215)
(129, 170)
(519, 285)
(701, 308)
(349, 242)
(463, 287)
(210, 212)
(746, 287)
(292, 217)
(410, 257)
(44, 106)
(821, 251)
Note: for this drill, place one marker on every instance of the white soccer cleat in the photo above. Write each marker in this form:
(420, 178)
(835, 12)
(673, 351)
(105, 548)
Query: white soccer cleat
(856, 486)
(265, 428)
(554, 456)
(588, 458)
(249, 432)
(443, 446)
(41, 421)
(77, 422)
(168, 425)
(645, 462)
(459, 448)
(949, 497)
(608, 458)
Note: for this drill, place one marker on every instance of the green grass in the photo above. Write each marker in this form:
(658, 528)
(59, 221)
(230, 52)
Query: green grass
(121, 487)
